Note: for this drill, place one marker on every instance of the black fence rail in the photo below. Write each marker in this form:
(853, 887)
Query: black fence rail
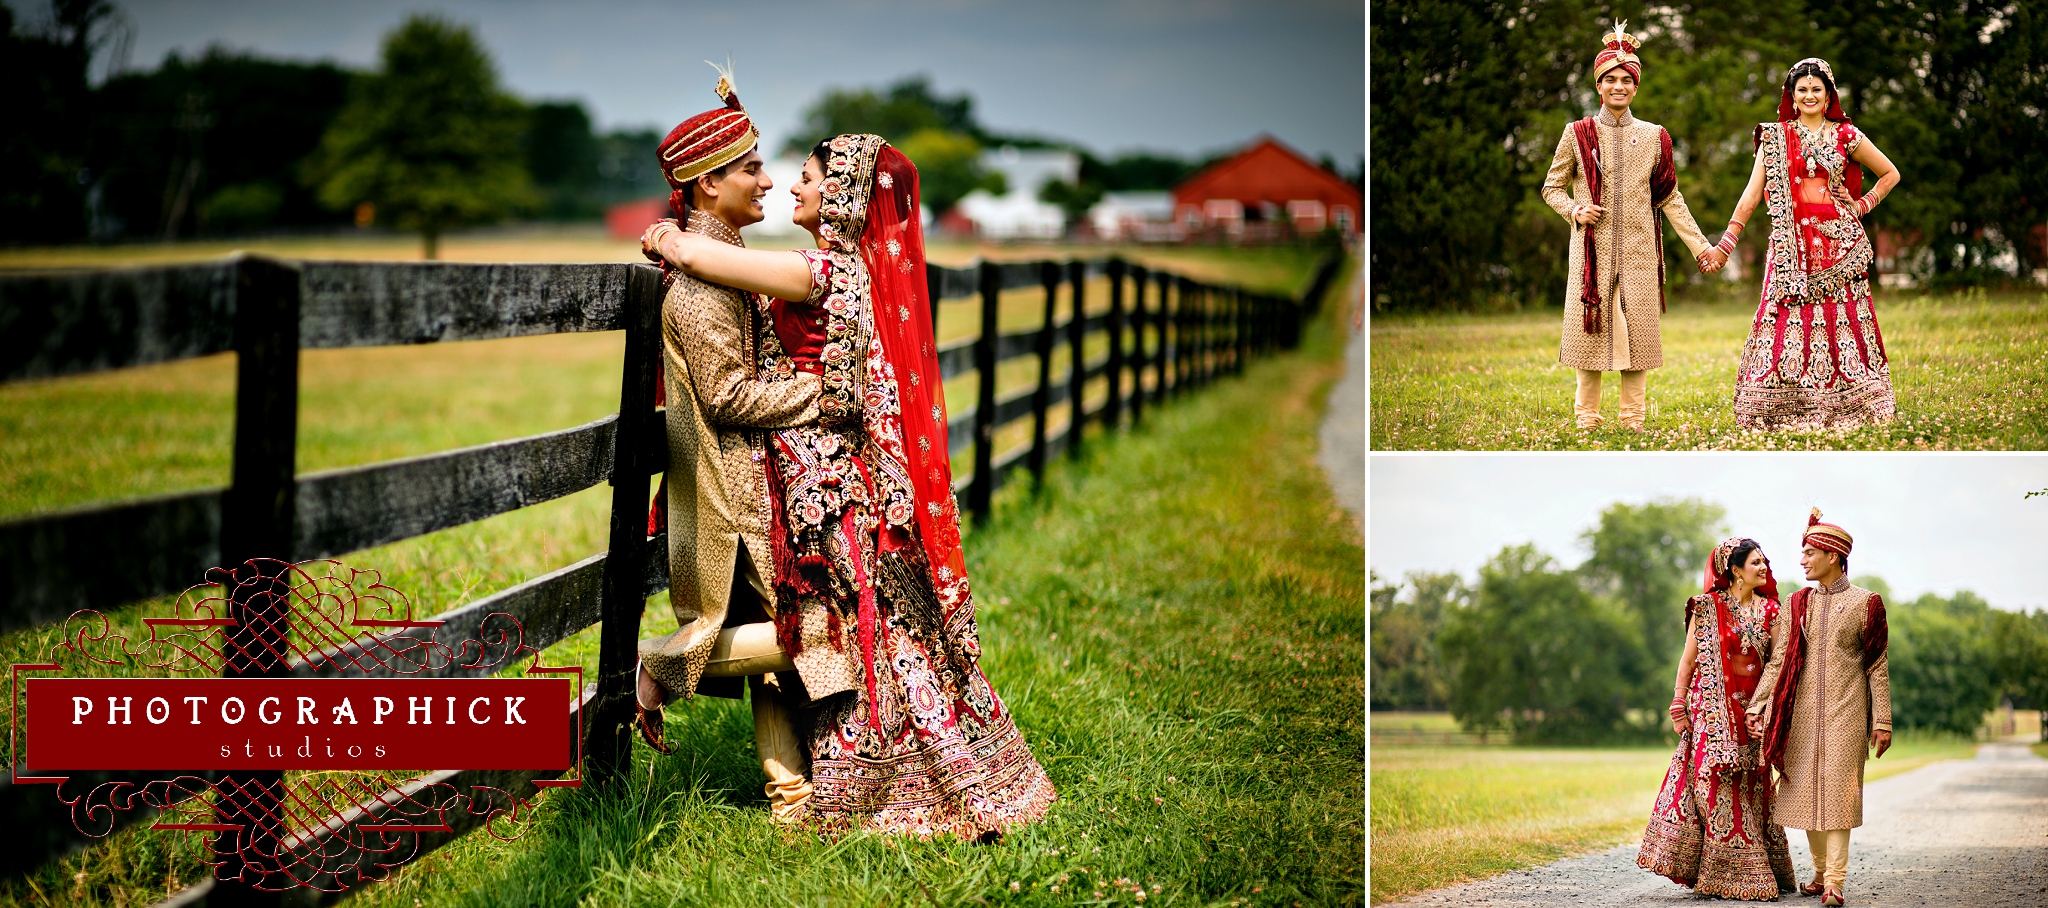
(1166, 334)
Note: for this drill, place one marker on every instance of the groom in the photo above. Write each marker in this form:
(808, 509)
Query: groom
(1830, 700)
(714, 340)
(1621, 171)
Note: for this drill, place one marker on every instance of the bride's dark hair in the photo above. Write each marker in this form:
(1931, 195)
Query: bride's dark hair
(1803, 70)
(1738, 557)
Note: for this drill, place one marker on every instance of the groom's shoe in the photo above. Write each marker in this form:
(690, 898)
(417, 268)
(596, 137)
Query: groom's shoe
(1833, 897)
(1813, 888)
(648, 720)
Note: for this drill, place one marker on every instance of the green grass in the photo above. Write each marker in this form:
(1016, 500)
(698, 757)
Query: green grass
(1176, 622)
(1970, 371)
(1443, 815)
(2040, 750)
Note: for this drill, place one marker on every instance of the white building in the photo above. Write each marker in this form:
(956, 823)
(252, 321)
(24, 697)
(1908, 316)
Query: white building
(1136, 216)
(1017, 213)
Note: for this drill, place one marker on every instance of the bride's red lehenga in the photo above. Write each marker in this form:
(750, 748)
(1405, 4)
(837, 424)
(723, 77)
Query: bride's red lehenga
(866, 533)
(1815, 357)
(1711, 828)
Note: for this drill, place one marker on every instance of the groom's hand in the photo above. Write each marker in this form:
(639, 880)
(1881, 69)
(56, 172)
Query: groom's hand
(1588, 214)
(1712, 260)
(1882, 740)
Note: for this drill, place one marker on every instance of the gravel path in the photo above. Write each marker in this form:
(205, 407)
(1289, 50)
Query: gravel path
(1964, 832)
(1343, 437)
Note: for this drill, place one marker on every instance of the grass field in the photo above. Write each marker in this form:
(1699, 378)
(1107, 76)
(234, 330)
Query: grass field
(1442, 815)
(1970, 372)
(1176, 623)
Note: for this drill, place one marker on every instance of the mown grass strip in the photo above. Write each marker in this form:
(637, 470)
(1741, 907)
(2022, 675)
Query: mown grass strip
(1970, 371)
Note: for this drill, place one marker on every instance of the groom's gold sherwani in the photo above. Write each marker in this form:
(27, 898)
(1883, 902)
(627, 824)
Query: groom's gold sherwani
(1835, 706)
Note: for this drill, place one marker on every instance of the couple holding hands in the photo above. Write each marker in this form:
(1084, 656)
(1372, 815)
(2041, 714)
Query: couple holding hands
(1804, 688)
(1815, 357)
(814, 543)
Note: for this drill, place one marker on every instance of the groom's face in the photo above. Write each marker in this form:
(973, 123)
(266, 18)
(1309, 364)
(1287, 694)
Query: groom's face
(1617, 88)
(1817, 563)
(735, 196)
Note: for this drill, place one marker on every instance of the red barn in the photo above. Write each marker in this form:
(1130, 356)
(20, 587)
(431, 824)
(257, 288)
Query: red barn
(1264, 192)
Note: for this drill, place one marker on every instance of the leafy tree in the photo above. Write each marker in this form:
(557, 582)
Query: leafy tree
(1407, 667)
(894, 113)
(948, 167)
(1074, 199)
(2019, 648)
(1952, 91)
(1944, 672)
(1650, 558)
(1537, 653)
(429, 139)
(44, 180)
(562, 157)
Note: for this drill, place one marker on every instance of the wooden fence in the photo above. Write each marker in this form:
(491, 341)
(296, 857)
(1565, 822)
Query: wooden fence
(266, 311)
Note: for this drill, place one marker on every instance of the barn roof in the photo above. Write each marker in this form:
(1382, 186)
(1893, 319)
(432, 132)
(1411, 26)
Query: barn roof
(1267, 171)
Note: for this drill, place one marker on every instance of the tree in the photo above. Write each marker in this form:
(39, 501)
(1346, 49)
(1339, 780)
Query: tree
(895, 113)
(1074, 199)
(562, 158)
(1537, 653)
(429, 139)
(1407, 666)
(1650, 558)
(948, 167)
(1944, 673)
(44, 180)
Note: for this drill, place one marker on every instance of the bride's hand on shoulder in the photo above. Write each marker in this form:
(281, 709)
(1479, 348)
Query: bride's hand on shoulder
(650, 239)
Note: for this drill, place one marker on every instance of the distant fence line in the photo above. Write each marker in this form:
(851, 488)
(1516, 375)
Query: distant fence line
(267, 310)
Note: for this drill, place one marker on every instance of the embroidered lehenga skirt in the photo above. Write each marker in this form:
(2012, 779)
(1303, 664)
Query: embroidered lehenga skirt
(1815, 357)
(1713, 831)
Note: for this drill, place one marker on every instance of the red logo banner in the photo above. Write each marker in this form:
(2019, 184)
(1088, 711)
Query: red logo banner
(297, 723)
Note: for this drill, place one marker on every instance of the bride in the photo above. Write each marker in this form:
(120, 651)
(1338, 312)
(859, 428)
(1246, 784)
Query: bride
(865, 531)
(1815, 357)
(1711, 827)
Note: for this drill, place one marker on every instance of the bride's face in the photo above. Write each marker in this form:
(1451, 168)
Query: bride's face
(807, 195)
(1810, 95)
(1755, 571)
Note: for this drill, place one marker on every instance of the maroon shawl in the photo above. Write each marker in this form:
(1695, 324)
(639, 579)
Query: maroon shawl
(1876, 638)
(1663, 179)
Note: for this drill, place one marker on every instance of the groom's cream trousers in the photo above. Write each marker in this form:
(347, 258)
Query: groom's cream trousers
(750, 651)
(1634, 392)
(1830, 854)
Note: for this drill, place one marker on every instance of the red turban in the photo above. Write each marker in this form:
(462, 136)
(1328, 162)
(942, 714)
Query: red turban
(1826, 536)
(1619, 50)
(707, 141)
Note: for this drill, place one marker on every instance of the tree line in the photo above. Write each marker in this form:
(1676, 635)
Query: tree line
(429, 140)
(1469, 98)
(1588, 654)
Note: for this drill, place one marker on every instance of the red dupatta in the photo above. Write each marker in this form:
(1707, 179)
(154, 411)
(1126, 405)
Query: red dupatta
(892, 245)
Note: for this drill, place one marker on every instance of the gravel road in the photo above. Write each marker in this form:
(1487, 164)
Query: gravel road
(1964, 832)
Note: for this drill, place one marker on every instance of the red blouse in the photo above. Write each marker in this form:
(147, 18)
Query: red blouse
(800, 325)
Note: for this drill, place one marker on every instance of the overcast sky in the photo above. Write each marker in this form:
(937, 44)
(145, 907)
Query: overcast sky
(1186, 76)
(1924, 523)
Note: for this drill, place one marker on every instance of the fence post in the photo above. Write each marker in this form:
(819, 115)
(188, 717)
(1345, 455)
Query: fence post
(624, 593)
(1077, 331)
(982, 490)
(1138, 322)
(1240, 327)
(257, 514)
(1041, 395)
(1164, 357)
(1112, 411)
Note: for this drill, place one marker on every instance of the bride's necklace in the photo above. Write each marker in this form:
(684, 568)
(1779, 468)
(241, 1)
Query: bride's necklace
(1747, 616)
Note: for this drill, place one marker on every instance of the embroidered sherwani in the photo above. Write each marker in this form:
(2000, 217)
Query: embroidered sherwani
(1626, 244)
(1835, 706)
(712, 341)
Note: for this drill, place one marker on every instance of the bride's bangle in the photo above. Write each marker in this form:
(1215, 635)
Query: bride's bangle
(1728, 241)
(1863, 205)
